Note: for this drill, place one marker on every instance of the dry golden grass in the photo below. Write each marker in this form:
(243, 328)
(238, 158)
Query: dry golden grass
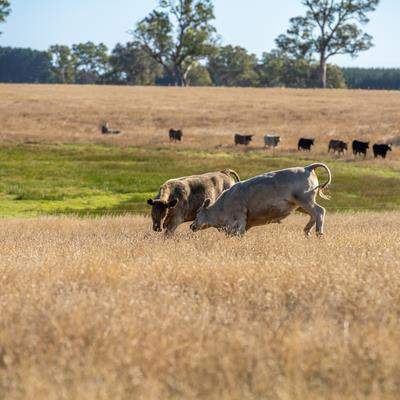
(104, 309)
(73, 114)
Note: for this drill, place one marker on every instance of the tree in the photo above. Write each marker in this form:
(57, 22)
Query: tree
(177, 35)
(199, 76)
(24, 65)
(130, 64)
(233, 66)
(91, 62)
(373, 78)
(329, 28)
(277, 70)
(335, 77)
(5, 9)
(63, 63)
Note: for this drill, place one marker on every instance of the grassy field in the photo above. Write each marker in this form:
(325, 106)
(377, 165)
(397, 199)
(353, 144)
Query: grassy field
(54, 160)
(105, 309)
(209, 117)
(105, 179)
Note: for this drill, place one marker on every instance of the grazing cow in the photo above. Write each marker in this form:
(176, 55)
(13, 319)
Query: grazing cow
(305, 144)
(337, 146)
(243, 139)
(266, 199)
(179, 199)
(106, 130)
(360, 147)
(381, 149)
(271, 141)
(175, 135)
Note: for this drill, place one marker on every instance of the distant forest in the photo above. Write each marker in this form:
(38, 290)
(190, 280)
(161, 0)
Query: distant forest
(128, 64)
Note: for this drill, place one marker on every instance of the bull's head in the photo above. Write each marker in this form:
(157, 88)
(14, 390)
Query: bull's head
(201, 221)
(159, 211)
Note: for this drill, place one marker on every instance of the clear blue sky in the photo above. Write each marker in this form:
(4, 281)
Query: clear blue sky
(253, 24)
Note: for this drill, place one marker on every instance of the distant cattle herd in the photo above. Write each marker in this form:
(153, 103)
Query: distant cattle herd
(335, 146)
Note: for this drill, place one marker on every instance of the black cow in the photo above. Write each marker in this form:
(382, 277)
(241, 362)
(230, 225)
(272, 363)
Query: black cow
(305, 144)
(337, 146)
(175, 135)
(243, 139)
(360, 147)
(381, 149)
(105, 129)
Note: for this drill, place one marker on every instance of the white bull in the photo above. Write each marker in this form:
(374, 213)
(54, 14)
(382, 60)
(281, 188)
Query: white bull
(271, 141)
(265, 199)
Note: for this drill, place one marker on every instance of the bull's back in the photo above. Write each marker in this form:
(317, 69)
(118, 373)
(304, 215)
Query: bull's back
(202, 187)
(271, 190)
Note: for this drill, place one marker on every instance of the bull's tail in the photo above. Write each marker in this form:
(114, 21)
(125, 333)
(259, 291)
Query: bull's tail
(233, 173)
(322, 186)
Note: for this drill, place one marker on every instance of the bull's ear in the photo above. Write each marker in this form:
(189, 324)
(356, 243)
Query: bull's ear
(172, 203)
(206, 203)
(150, 202)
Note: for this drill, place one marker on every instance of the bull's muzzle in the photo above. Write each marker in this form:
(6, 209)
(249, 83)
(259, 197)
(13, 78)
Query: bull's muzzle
(157, 228)
(194, 227)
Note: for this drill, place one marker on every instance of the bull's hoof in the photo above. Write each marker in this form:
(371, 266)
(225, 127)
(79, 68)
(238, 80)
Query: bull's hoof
(320, 235)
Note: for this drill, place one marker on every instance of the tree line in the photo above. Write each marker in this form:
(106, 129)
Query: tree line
(177, 44)
(230, 66)
(129, 64)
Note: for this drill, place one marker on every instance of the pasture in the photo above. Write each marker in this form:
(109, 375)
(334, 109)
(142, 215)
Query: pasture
(94, 305)
(104, 309)
(38, 179)
(209, 117)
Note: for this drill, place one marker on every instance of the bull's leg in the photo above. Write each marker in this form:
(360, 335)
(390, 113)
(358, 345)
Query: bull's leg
(241, 230)
(170, 230)
(318, 213)
(241, 226)
(309, 226)
(171, 224)
(237, 227)
(320, 219)
(310, 223)
(317, 216)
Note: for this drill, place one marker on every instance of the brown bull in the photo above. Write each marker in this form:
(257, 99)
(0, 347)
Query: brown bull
(179, 199)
